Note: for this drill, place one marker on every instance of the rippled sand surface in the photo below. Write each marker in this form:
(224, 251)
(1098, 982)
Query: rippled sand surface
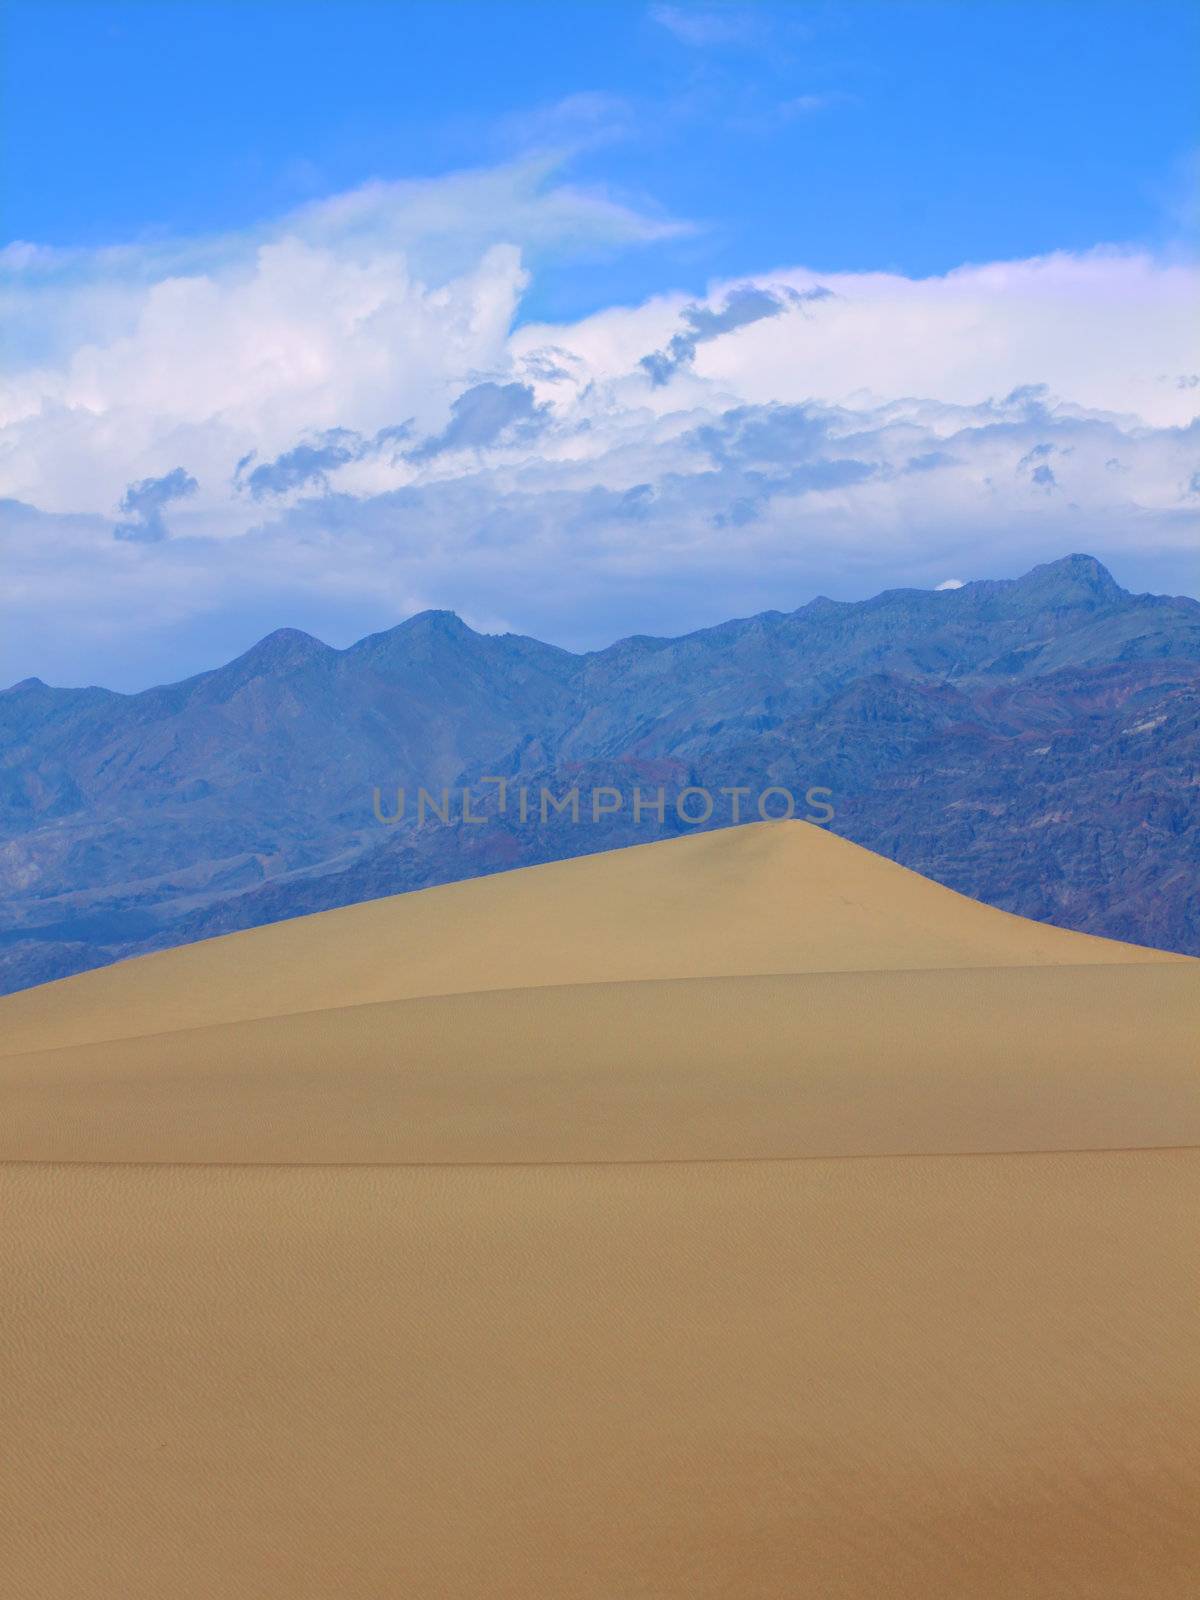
(737, 1216)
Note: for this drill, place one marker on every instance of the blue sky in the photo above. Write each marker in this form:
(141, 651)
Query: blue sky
(913, 137)
(581, 319)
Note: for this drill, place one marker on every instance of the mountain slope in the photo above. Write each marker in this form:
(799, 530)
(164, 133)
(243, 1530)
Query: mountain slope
(1031, 742)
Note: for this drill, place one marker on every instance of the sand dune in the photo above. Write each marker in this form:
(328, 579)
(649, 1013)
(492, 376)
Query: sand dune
(738, 1218)
(765, 898)
(816, 1064)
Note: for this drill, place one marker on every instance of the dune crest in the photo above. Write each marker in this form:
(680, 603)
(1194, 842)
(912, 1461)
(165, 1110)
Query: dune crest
(773, 897)
(733, 1218)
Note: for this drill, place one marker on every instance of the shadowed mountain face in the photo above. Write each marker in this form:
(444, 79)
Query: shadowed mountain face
(1032, 743)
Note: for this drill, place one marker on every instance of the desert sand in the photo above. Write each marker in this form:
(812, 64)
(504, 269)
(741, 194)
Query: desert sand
(738, 903)
(731, 1217)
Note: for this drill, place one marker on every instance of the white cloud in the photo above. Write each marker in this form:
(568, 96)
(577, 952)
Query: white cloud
(886, 430)
(359, 311)
(1100, 329)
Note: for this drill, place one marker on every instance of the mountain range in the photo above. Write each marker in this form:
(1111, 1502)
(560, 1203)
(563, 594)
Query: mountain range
(1033, 743)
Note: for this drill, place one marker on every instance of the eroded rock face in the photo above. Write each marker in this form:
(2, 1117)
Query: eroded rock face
(1034, 743)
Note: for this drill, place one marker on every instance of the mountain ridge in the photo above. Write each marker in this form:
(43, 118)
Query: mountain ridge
(1069, 573)
(950, 725)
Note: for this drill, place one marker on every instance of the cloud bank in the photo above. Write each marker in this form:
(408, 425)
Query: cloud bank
(335, 419)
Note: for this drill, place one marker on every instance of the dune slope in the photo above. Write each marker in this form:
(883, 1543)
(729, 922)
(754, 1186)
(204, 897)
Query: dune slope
(766, 898)
(735, 1217)
(814, 1064)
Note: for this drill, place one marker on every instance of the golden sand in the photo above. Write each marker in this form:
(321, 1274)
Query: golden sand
(740, 1216)
(767, 898)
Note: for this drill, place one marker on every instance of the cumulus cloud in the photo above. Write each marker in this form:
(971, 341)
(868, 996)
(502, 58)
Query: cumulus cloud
(480, 416)
(348, 313)
(303, 464)
(1095, 329)
(483, 414)
(143, 502)
(369, 428)
(744, 305)
(308, 464)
